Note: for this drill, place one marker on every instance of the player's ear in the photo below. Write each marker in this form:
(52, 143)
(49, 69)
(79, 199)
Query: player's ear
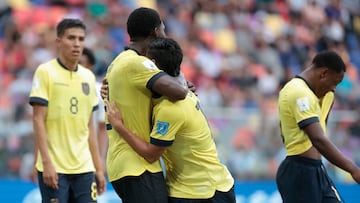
(153, 60)
(324, 72)
(57, 40)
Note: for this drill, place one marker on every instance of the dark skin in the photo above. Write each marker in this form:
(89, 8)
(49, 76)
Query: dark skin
(323, 80)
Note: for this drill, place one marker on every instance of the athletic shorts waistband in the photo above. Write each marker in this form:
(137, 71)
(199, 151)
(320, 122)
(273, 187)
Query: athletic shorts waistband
(304, 160)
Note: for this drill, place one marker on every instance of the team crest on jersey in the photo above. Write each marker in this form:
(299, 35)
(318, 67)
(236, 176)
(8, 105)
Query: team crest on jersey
(85, 88)
(162, 127)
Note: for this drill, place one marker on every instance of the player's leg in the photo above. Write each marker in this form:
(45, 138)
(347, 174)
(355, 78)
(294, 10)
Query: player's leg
(83, 187)
(297, 180)
(51, 195)
(148, 187)
(330, 193)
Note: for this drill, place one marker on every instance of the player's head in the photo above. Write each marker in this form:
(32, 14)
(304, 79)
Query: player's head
(68, 23)
(330, 60)
(70, 39)
(88, 59)
(330, 69)
(167, 55)
(143, 23)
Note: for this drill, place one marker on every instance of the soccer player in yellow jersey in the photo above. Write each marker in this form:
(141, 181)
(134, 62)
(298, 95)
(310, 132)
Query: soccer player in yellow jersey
(180, 134)
(132, 78)
(304, 106)
(63, 98)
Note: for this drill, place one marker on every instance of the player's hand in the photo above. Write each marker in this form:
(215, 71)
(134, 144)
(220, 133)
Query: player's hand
(356, 175)
(33, 176)
(104, 91)
(191, 86)
(114, 114)
(100, 182)
(50, 176)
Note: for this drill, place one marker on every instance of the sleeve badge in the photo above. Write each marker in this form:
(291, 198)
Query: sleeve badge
(162, 127)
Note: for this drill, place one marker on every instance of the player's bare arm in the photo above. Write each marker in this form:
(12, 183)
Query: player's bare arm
(170, 87)
(49, 174)
(165, 85)
(149, 151)
(330, 151)
(95, 154)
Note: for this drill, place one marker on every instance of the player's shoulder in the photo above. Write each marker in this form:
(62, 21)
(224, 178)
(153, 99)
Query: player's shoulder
(47, 65)
(85, 71)
(296, 86)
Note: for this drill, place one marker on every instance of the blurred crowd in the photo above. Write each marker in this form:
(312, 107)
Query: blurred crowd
(238, 53)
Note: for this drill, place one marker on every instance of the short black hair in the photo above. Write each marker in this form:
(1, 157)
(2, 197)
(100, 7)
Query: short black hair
(67, 23)
(167, 54)
(90, 56)
(142, 21)
(329, 59)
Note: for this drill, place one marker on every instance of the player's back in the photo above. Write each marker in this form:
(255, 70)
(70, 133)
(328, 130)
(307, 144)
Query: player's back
(128, 76)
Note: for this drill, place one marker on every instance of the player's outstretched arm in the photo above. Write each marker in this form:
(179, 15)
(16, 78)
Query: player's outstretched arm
(330, 151)
(150, 152)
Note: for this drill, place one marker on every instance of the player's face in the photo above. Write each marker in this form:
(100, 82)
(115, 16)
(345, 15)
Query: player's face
(71, 44)
(330, 81)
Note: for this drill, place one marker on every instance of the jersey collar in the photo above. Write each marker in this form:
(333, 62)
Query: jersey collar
(308, 84)
(62, 65)
(130, 48)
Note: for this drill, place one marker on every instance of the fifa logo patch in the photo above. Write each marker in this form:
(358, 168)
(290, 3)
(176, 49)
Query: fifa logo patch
(303, 104)
(162, 127)
(85, 88)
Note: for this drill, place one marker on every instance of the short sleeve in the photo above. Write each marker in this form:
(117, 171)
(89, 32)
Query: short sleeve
(40, 87)
(168, 119)
(144, 74)
(304, 107)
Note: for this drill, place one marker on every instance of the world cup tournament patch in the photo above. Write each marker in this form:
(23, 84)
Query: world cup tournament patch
(303, 104)
(162, 127)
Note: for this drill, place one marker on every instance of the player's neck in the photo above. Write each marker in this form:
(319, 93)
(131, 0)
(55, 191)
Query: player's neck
(139, 45)
(68, 64)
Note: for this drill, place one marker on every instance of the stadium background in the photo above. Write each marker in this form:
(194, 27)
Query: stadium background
(237, 52)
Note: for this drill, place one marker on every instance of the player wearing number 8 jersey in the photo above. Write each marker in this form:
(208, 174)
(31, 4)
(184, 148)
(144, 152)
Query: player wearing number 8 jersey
(69, 98)
(63, 97)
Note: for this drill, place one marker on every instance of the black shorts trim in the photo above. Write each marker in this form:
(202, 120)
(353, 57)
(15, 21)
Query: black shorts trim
(304, 160)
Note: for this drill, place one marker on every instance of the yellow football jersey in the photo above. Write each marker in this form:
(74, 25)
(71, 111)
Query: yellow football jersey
(193, 169)
(130, 77)
(70, 98)
(299, 107)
